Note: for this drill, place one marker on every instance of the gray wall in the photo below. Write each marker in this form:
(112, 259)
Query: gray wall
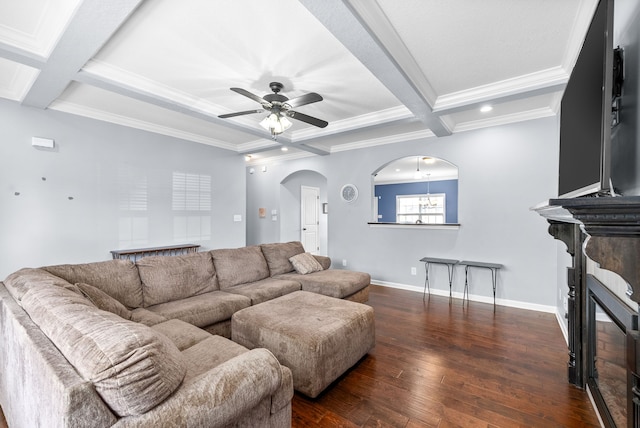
(122, 184)
(274, 189)
(503, 172)
(625, 149)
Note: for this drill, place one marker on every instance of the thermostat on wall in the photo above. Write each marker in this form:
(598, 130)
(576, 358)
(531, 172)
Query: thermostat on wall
(42, 142)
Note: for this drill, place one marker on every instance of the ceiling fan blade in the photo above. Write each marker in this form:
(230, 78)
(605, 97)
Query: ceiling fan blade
(252, 96)
(305, 99)
(306, 118)
(240, 113)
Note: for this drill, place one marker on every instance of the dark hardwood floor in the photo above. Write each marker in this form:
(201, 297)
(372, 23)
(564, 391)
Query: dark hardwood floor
(441, 364)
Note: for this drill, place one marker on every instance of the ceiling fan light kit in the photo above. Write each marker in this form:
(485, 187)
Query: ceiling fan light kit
(275, 123)
(279, 108)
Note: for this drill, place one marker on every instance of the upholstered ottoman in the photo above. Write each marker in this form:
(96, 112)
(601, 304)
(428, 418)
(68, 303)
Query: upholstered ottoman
(317, 337)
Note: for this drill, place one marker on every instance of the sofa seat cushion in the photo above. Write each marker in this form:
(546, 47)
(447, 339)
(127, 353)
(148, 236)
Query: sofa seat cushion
(146, 317)
(165, 279)
(209, 353)
(182, 334)
(278, 255)
(117, 278)
(331, 282)
(204, 309)
(266, 289)
(132, 367)
(237, 266)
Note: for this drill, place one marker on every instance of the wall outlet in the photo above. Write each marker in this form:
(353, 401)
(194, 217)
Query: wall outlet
(344, 262)
(414, 271)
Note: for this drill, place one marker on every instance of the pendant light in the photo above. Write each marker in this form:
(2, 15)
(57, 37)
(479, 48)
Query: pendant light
(417, 175)
(429, 203)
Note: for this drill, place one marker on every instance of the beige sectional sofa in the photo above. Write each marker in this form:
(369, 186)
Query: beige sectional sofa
(118, 343)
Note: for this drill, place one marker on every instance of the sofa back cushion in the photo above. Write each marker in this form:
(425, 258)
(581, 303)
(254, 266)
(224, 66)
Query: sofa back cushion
(278, 255)
(239, 266)
(118, 278)
(170, 278)
(21, 281)
(102, 300)
(132, 367)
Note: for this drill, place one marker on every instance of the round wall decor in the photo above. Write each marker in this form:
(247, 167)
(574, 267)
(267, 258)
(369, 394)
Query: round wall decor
(349, 193)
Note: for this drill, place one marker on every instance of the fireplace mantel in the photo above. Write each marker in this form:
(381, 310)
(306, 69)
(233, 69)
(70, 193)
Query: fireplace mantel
(613, 228)
(607, 230)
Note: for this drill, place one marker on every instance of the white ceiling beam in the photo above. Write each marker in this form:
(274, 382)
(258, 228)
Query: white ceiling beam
(21, 56)
(93, 24)
(351, 30)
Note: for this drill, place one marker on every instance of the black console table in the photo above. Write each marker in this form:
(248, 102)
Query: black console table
(138, 253)
(493, 267)
(434, 260)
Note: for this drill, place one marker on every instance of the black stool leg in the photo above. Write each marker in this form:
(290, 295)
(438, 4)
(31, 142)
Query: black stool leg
(426, 280)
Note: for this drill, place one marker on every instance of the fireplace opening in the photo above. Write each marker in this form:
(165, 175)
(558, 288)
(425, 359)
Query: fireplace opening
(608, 320)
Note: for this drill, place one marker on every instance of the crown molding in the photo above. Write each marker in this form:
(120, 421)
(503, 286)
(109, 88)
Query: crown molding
(398, 138)
(355, 123)
(578, 32)
(504, 120)
(19, 83)
(73, 108)
(272, 160)
(104, 70)
(546, 78)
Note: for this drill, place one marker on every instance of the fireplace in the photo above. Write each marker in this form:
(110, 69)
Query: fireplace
(609, 382)
(603, 335)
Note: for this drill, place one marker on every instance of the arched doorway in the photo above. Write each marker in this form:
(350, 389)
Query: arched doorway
(292, 189)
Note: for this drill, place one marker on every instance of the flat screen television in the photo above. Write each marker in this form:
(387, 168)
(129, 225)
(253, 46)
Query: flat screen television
(585, 113)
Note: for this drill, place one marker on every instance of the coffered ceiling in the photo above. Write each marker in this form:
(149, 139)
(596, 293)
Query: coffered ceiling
(389, 71)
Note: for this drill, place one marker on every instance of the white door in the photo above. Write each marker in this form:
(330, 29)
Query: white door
(310, 207)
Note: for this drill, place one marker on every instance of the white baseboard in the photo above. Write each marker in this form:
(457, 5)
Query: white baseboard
(563, 328)
(472, 297)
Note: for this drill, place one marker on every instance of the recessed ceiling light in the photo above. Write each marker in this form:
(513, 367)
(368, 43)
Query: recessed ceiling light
(284, 149)
(247, 158)
(397, 169)
(486, 108)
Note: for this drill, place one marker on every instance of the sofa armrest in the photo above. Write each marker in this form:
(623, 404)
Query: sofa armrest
(324, 261)
(219, 396)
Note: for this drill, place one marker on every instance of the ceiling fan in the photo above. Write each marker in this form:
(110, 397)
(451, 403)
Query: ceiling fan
(279, 108)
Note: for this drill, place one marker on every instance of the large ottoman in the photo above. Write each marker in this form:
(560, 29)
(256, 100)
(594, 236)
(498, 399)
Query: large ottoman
(317, 337)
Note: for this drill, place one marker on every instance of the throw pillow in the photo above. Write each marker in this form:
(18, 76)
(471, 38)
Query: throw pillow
(103, 301)
(305, 263)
